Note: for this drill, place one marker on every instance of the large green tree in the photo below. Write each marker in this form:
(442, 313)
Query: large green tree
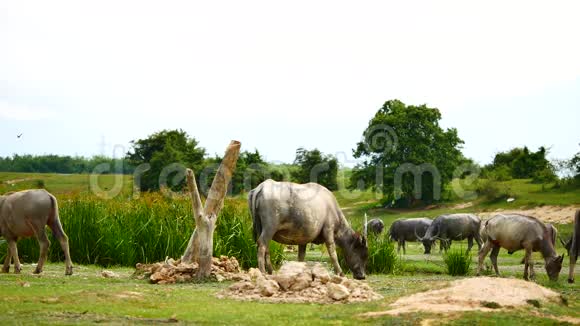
(314, 166)
(407, 154)
(168, 152)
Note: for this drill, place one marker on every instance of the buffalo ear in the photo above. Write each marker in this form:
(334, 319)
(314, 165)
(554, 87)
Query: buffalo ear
(560, 259)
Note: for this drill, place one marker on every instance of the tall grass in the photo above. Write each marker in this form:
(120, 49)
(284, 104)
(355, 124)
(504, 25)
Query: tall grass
(383, 258)
(457, 261)
(125, 232)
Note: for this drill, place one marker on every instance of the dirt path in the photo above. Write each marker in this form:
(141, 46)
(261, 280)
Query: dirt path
(15, 181)
(550, 214)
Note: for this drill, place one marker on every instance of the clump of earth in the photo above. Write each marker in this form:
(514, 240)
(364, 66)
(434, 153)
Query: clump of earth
(479, 293)
(300, 282)
(175, 271)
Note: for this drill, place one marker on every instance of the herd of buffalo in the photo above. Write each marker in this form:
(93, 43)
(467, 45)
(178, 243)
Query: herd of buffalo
(299, 214)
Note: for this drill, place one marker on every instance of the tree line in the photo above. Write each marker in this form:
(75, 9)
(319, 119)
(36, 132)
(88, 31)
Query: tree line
(404, 153)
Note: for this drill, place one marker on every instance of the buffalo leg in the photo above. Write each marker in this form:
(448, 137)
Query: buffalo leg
(527, 261)
(470, 245)
(329, 236)
(62, 238)
(333, 257)
(301, 252)
(14, 253)
(573, 259)
(482, 254)
(43, 243)
(262, 245)
(269, 267)
(493, 258)
(477, 238)
(404, 248)
(6, 267)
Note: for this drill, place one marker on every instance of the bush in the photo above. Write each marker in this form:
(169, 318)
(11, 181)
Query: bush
(145, 230)
(544, 176)
(492, 190)
(501, 173)
(457, 262)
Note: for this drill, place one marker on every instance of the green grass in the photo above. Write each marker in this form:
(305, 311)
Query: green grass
(65, 183)
(86, 298)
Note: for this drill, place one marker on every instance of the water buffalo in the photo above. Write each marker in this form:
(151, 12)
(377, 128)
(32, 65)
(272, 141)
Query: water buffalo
(452, 227)
(553, 234)
(25, 214)
(296, 214)
(411, 229)
(375, 226)
(514, 232)
(573, 246)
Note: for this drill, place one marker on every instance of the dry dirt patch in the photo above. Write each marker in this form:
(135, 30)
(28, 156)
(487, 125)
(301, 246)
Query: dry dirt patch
(300, 282)
(471, 294)
(549, 214)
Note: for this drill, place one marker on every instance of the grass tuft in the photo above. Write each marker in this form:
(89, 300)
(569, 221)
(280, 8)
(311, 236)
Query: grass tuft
(457, 261)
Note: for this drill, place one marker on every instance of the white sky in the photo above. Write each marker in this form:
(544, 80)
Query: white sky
(278, 76)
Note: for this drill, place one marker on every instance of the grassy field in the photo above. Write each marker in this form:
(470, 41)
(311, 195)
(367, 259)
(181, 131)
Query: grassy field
(86, 297)
(65, 183)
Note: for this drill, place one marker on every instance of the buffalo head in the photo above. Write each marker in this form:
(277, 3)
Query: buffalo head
(356, 254)
(554, 266)
(426, 240)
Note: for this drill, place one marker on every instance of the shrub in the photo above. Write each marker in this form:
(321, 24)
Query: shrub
(500, 173)
(544, 176)
(492, 190)
(457, 262)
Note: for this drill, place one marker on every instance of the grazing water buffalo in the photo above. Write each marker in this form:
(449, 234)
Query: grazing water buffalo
(452, 227)
(411, 229)
(514, 232)
(25, 214)
(375, 226)
(295, 214)
(573, 246)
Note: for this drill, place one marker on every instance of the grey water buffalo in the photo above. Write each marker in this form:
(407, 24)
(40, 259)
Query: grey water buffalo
(298, 214)
(375, 226)
(514, 232)
(26, 214)
(452, 227)
(573, 246)
(411, 229)
(552, 234)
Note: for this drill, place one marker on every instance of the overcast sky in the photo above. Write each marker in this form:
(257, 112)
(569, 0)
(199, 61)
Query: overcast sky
(277, 76)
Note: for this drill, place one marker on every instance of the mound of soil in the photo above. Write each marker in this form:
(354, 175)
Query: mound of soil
(478, 293)
(174, 271)
(300, 282)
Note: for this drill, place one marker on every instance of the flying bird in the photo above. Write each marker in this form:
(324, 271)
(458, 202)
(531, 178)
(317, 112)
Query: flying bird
(18, 136)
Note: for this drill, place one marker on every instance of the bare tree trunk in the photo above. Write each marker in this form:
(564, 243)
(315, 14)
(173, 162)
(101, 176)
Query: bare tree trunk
(200, 246)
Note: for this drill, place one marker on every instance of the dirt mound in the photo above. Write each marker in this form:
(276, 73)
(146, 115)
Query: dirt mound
(174, 271)
(479, 293)
(300, 282)
(548, 214)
